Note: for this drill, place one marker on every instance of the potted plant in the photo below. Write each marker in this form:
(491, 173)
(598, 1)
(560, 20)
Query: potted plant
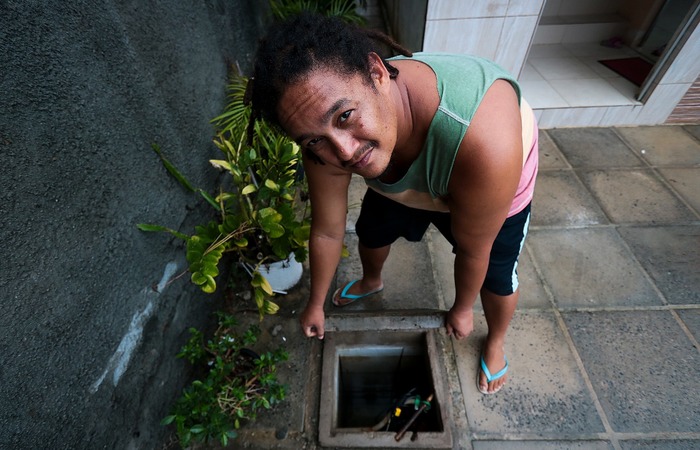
(262, 208)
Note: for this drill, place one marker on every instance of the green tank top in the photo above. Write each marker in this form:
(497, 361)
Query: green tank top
(462, 82)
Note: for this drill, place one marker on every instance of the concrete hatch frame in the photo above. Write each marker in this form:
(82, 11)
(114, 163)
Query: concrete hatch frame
(369, 361)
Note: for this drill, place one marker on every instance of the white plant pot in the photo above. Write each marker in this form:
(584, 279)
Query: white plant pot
(282, 275)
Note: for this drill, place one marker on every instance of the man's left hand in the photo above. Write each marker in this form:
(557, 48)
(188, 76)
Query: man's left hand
(459, 323)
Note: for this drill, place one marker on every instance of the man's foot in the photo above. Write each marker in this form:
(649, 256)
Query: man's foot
(353, 291)
(493, 366)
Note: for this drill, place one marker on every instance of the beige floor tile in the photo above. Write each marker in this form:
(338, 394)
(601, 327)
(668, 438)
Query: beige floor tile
(687, 183)
(635, 196)
(545, 392)
(586, 268)
(561, 200)
(663, 145)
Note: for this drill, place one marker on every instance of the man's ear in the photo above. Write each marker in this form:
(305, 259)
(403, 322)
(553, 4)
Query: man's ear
(377, 69)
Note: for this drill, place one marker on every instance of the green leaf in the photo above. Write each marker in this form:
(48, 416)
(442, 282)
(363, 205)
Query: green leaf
(198, 278)
(196, 429)
(264, 284)
(270, 214)
(210, 199)
(302, 233)
(275, 230)
(220, 164)
(210, 287)
(249, 189)
(172, 169)
(168, 420)
(271, 307)
(152, 227)
(260, 299)
(272, 185)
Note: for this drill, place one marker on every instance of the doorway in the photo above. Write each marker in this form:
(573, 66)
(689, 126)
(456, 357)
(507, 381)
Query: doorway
(564, 68)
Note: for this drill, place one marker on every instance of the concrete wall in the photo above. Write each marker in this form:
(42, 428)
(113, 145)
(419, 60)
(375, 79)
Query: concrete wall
(87, 345)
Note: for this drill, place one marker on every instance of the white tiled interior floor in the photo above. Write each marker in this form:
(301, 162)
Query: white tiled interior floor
(569, 75)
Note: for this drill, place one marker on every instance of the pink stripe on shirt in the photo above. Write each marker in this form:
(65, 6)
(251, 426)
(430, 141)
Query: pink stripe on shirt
(526, 187)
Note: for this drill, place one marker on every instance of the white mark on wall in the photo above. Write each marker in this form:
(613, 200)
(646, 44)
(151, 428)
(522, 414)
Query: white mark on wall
(119, 361)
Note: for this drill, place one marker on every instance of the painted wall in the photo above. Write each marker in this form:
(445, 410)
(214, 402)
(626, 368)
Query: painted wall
(500, 30)
(92, 315)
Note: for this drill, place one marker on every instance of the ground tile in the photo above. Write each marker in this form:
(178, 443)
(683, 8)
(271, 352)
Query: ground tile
(542, 445)
(594, 147)
(671, 256)
(694, 130)
(669, 444)
(643, 367)
(691, 319)
(545, 394)
(590, 268)
(687, 183)
(561, 199)
(549, 155)
(408, 279)
(635, 196)
(663, 145)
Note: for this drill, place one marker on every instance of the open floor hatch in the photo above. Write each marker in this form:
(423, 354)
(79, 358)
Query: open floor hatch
(383, 389)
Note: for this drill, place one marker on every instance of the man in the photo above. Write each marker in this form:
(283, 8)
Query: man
(443, 139)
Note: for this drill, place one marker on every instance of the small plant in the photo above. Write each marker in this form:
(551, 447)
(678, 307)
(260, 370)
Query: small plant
(238, 383)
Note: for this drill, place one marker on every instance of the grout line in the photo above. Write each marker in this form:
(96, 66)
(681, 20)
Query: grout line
(641, 267)
(666, 307)
(670, 187)
(567, 227)
(545, 285)
(685, 328)
(587, 380)
(552, 437)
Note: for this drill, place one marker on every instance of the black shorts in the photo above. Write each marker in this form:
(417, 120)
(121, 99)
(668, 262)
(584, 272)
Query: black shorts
(383, 220)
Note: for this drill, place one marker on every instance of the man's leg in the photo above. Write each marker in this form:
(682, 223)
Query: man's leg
(381, 222)
(498, 311)
(373, 260)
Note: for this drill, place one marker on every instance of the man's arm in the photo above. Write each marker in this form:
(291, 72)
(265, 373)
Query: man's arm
(482, 187)
(328, 191)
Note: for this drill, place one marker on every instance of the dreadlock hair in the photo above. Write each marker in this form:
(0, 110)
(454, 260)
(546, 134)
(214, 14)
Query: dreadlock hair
(293, 48)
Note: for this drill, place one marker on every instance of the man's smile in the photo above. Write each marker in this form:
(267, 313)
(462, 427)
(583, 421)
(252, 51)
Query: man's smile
(362, 157)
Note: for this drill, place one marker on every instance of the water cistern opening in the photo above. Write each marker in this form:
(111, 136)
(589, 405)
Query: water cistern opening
(381, 387)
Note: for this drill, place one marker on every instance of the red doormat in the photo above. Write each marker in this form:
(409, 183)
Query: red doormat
(634, 69)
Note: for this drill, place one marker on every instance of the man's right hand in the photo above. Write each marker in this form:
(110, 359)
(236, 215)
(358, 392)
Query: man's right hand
(313, 321)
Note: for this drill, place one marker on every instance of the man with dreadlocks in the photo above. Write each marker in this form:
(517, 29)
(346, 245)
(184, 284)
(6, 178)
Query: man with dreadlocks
(439, 138)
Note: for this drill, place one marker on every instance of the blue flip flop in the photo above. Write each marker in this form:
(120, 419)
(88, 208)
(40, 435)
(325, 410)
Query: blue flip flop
(489, 377)
(338, 294)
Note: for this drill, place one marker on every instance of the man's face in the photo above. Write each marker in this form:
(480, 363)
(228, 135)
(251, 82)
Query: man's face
(344, 120)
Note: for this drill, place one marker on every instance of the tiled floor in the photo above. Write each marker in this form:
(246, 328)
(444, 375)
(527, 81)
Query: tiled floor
(569, 75)
(603, 348)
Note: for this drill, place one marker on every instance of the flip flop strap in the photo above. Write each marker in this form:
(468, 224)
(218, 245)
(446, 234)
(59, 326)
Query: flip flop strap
(344, 292)
(498, 375)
